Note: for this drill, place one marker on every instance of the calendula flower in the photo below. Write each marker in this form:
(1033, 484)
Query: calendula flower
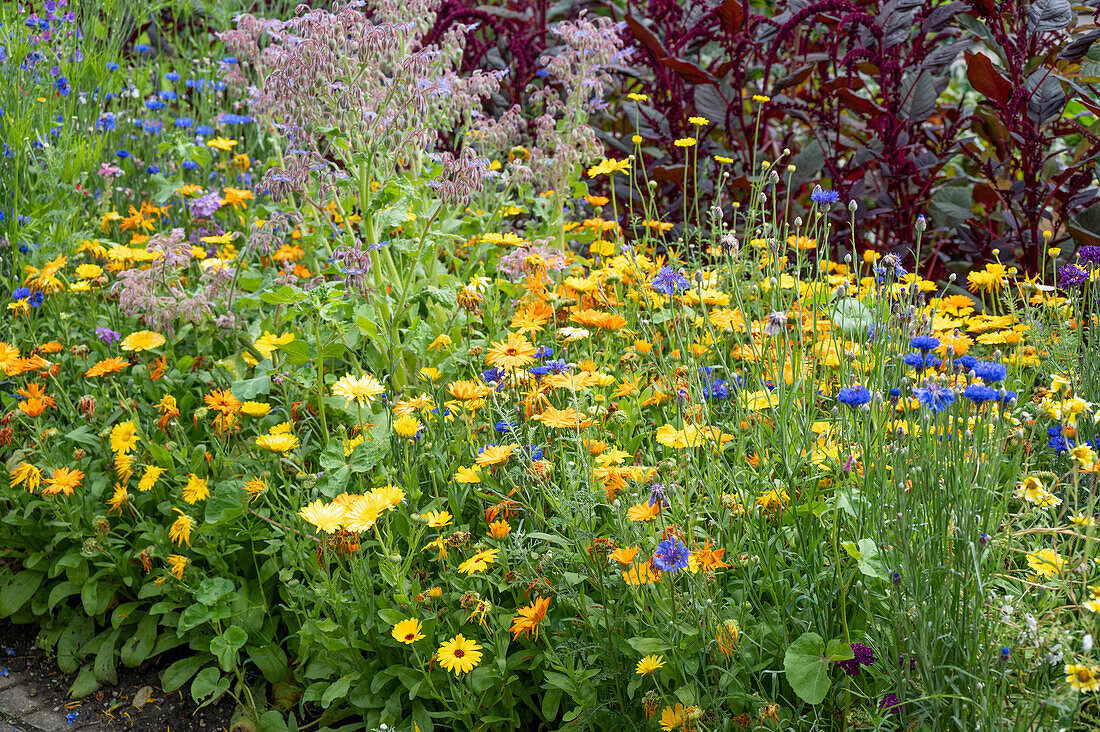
(63, 480)
(438, 519)
(468, 475)
(107, 366)
(123, 437)
(528, 618)
(256, 409)
(279, 442)
(327, 517)
(180, 530)
(459, 655)
(407, 426)
(361, 389)
(499, 529)
(408, 631)
(1045, 562)
(1083, 678)
(699, 121)
(479, 562)
(26, 475)
(143, 340)
(516, 352)
(196, 489)
(177, 563)
(221, 143)
(649, 664)
(685, 142)
(149, 479)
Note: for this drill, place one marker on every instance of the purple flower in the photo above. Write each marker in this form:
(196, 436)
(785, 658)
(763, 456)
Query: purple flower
(1089, 254)
(657, 495)
(863, 656)
(107, 335)
(668, 281)
(889, 704)
(205, 206)
(1072, 276)
(671, 555)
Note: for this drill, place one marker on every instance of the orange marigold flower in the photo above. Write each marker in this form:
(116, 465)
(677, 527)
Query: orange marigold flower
(107, 366)
(529, 618)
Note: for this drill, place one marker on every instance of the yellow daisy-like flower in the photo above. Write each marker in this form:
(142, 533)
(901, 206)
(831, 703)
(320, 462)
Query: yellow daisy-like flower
(459, 655)
(361, 389)
(143, 340)
(1083, 678)
(124, 437)
(256, 409)
(479, 562)
(150, 478)
(649, 664)
(685, 142)
(26, 475)
(1045, 562)
(761, 98)
(408, 631)
(327, 517)
(268, 343)
(438, 519)
(278, 442)
(407, 426)
(180, 531)
(468, 475)
(221, 143)
(196, 489)
(699, 121)
(177, 563)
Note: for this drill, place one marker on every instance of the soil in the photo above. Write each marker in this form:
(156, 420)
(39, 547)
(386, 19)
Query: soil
(111, 707)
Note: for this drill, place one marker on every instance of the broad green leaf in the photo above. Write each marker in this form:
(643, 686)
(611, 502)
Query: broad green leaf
(806, 668)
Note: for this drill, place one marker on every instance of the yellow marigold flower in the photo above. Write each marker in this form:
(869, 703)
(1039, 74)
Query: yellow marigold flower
(327, 517)
(277, 442)
(494, 454)
(516, 352)
(635, 97)
(26, 475)
(442, 341)
(408, 631)
(1045, 562)
(407, 426)
(438, 519)
(649, 664)
(529, 618)
(1083, 678)
(180, 531)
(761, 98)
(699, 121)
(361, 389)
(256, 409)
(269, 342)
(177, 563)
(685, 142)
(123, 437)
(196, 489)
(459, 655)
(150, 478)
(641, 573)
(499, 529)
(468, 475)
(221, 143)
(723, 159)
(479, 562)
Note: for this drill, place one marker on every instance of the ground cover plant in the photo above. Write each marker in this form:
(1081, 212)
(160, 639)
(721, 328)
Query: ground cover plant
(345, 382)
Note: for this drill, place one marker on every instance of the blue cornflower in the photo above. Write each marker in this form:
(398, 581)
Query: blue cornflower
(538, 371)
(229, 59)
(63, 87)
(966, 362)
(657, 495)
(503, 426)
(979, 393)
(189, 165)
(921, 361)
(112, 66)
(990, 371)
(824, 197)
(36, 299)
(204, 130)
(668, 281)
(152, 169)
(172, 76)
(534, 452)
(558, 366)
(934, 396)
(493, 375)
(544, 352)
(671, 555)
(183, 122)
(924, 343)
(21, 293)
(123, 154)
(854, 396)
(142, 47)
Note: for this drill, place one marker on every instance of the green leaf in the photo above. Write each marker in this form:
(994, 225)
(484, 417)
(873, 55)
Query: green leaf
(85, 683)
(179, 672)
(226, 646)
(283, 296)
(71, 645)
(213, 589)
(272, 721)
(806, 668)
(338, 689)
(270, 659)
(208, 683)
(648, 645)
(551, 701)
(138, 648)
(105, 668)
(251, 388)
(296, 352)
(225, 503)
(839, 650)
(19, 592)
